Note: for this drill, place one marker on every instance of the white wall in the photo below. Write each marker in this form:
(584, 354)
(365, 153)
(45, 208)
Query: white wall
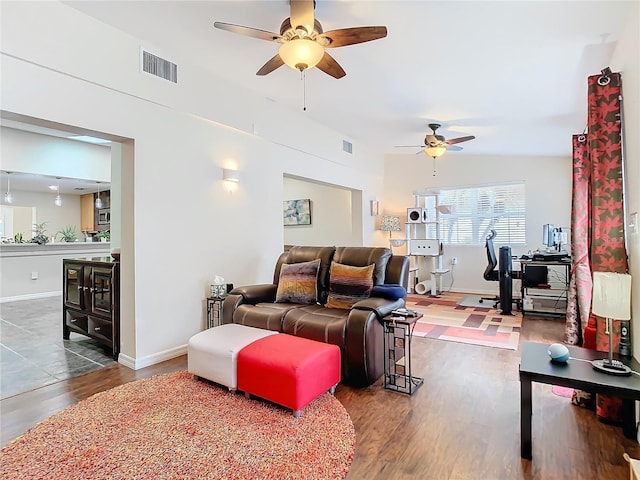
(331, 214)
(29, 152)
(547, 190)
(626, 60)
(18, 263)
(186, 225)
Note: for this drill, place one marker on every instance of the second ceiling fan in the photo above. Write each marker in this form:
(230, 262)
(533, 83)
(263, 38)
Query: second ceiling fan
(436, 145)
(303, 41)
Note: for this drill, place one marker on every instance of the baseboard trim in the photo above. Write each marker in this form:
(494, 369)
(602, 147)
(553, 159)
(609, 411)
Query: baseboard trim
(138, 363)
(30, 296)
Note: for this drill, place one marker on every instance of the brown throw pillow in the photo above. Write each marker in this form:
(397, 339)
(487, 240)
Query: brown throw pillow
(298, 283)
(348, 285)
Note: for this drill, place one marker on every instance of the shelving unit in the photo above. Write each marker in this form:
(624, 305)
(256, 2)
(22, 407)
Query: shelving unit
(545, 285)
(423, 236)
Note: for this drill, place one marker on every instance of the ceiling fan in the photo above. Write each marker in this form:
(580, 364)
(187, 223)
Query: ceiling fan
(436, 145)
(303, 42)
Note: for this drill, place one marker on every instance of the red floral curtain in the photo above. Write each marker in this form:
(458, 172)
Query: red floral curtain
(598, 242)
(579, 296)
(608, 251)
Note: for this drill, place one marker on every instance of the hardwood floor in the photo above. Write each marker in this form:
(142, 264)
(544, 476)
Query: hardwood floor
(462, 424)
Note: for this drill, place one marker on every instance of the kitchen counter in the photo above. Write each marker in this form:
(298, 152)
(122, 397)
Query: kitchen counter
(29, 270)
(58, 248)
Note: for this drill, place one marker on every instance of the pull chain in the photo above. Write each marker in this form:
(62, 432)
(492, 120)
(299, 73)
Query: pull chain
(304, 89)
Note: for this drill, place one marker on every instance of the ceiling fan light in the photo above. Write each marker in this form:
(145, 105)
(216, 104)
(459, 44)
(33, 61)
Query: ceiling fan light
(301, 53)
(435, 151)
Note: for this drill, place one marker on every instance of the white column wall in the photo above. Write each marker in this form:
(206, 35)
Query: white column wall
(187, 224)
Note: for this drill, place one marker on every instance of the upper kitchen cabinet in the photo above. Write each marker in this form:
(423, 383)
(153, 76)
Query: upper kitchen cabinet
(93, 219)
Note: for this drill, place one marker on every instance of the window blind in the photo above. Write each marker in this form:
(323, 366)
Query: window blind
(475, 211)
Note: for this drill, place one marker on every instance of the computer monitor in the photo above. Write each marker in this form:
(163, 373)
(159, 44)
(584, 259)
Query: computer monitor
(549, 235)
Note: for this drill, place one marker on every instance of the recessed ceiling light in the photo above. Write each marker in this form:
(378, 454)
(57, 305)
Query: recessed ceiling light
(53, 187)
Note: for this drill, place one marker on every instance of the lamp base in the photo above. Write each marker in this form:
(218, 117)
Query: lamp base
(614, 368)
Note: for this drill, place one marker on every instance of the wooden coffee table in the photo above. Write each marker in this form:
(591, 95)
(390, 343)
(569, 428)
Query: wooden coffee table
(535, 366)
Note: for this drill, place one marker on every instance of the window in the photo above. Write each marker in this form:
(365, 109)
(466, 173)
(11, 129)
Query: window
(470, 213)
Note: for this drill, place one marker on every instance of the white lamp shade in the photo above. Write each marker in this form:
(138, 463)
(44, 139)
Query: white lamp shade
(611, 295)
(435, 151)
(301, 53)
(390, 223)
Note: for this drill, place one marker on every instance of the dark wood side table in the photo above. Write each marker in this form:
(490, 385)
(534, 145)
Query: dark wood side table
(535, 366)
(214, 310)
(398, 332)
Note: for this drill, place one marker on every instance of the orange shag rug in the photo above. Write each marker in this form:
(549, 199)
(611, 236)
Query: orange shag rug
(445, 319)
(173, 426)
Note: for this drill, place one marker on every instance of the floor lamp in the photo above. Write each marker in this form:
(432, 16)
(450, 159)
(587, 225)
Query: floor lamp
(611, 300)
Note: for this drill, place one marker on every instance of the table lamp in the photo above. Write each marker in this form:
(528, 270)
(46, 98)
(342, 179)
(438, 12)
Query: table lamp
(391, 223)
(611, 300)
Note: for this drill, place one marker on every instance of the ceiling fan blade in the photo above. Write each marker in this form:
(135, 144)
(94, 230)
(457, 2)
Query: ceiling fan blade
(248, 31)
(270, 66)
(460, 140)
(329, 66)
(302, 14)
(454, 148)
(353, 35)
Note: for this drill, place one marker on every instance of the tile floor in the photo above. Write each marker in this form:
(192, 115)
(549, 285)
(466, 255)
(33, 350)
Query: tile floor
(32, 351)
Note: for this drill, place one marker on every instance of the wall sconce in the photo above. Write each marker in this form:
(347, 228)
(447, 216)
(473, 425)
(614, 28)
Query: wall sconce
(374, 208)
(229, 175)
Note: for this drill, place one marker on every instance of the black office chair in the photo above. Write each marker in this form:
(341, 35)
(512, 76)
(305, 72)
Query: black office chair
(491, 273)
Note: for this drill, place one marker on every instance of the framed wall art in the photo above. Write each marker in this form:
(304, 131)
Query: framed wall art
(297, 212)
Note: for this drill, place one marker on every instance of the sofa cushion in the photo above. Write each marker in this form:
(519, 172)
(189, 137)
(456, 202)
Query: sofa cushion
(298, 283)
(318, 323)
(349, 284)
(263, 315)
(389, 291)
(297, 254)
(362, 256)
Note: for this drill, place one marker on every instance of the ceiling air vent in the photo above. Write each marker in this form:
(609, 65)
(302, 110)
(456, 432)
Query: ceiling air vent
(347, 146)
(159, 67)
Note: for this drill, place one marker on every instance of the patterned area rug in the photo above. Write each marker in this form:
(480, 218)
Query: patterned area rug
(444, 319)
(173, 426)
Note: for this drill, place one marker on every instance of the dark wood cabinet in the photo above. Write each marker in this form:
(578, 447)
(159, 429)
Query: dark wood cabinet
(91, 300)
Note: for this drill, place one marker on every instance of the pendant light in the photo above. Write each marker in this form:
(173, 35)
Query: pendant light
(98, 199)
(8, 198)
(58, 200)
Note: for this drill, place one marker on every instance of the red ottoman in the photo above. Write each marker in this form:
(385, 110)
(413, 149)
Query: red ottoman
(288, 370)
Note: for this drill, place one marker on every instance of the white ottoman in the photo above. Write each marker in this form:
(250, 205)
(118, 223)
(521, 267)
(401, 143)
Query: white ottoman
(213, 354)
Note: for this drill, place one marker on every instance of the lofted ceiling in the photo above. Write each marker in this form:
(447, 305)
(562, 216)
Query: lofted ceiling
(511, 73)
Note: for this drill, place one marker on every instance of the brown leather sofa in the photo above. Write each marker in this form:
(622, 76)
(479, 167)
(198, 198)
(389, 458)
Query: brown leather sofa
(358, 331)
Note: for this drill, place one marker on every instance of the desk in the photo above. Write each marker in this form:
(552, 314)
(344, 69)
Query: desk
(398, 332)
(546, 295)
(535, 366)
